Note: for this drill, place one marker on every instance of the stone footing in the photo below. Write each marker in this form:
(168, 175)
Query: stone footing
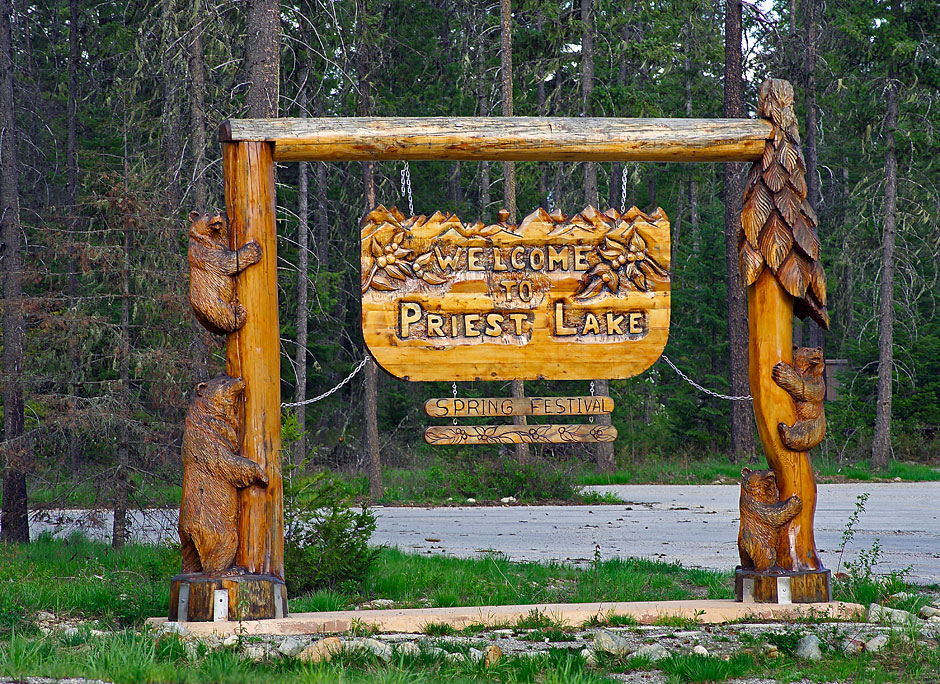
(202, 598)
(812, 586)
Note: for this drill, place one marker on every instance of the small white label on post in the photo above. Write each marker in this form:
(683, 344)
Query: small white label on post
(747, 590)
(220, 605)
(783, 590)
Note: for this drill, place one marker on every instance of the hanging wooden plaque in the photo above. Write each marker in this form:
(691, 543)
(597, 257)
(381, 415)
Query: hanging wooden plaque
(521, 406)
(519, 434)
(552, 297)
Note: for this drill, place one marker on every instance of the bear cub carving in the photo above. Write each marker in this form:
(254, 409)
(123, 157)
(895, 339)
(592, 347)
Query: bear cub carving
(762, 516)
(803, 380)
(213, 472)
(212, 270)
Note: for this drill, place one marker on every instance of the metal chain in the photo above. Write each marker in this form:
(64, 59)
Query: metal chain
(329, 392)
(704, 389)
(623, 189)
(406, 187)
(591, 419)
(454, 386)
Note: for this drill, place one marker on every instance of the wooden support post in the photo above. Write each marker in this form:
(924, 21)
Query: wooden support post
(254, 353)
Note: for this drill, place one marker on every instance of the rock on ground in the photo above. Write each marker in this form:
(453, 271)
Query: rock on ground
(606, 641)
(881, 614)
(321, 651)
(808, 648)
(652, 651)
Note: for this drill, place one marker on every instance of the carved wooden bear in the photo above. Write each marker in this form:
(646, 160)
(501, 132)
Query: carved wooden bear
(804, 382)
(212, 474)
(762, 516)
(212, 270)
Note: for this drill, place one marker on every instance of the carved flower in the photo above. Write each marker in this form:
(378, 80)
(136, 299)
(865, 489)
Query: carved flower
(387, 264)
(621, 261)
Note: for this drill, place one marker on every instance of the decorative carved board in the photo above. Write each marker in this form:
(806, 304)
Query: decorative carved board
(519, 434)
(526, 406)
(552, 297)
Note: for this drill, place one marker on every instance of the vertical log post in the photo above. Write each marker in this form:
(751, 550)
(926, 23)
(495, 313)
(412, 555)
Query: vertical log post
(254, 353)
(779, 262)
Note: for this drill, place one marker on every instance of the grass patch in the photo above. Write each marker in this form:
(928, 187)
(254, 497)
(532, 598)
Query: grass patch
(696, 668)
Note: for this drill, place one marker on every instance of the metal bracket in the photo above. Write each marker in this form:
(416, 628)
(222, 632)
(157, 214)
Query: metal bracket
(182, 604)
(220, 605)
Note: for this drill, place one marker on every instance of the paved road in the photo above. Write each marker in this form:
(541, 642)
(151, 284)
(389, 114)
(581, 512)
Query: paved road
(695, 525)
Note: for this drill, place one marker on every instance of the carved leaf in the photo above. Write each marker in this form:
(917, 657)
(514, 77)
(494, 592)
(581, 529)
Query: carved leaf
(750, 263)
(806, 238)
(788, 203)
(798, 181)
(810, 214)
(770, 151)
(639, 279)
(381, 284)
(775, 176)
(590, 287)
(753, 176)
(432, 278)
(756, 209)
(396, 271)
(818, 282)
(794, 274)
(654, 267)
(423, 260)
(789, 156)
(375, 249)
(775, 242)
(637, 243)
(367, 279)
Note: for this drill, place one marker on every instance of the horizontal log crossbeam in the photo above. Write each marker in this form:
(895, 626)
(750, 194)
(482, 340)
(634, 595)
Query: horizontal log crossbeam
(505, 138)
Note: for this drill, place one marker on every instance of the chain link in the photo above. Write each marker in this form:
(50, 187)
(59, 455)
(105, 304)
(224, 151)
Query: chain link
(329, 392)
(591, 419)
(704, 389)
(454, 387)
(406, 188)
(623, 189)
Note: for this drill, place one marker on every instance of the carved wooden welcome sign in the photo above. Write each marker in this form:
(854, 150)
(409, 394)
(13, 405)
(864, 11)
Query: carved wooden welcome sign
(553, 297)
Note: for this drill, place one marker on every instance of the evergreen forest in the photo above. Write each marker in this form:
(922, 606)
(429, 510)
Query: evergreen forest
(109, 114)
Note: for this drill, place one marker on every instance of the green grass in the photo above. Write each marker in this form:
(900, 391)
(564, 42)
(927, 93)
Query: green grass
(89, 580)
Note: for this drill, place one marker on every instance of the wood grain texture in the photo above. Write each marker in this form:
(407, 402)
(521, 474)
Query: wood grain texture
(250, 597)
(253, 353)
(552, 297)
(776, 218)
(519, 434)
(505, 138)
(526, 406)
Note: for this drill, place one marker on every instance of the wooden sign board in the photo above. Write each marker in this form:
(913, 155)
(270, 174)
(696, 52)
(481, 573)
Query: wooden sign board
(519, 434)
(552, 297)
(522, 406)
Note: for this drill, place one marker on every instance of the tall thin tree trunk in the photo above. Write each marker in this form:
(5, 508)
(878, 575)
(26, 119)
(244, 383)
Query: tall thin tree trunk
(71, 174)
(509, 171)
(809, 146)
(881, 445)
(300, 351)
(197, 99)
(172, 146)
(119, 527)
(742, 431)
(14, 519)
(542, 111)
(263, 57)
(605, 450)
(370, 402)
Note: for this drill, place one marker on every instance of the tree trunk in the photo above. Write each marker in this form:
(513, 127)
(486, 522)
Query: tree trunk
(809, 147)
(742, 431)
(370, 408)
(604, 451)
(119, 526)
(509, 173)
(300, 351)
(172, 147)
(881, 445)
(71, 174)
(542, 111)
(14, 520)
(263, 58)
(197, 99)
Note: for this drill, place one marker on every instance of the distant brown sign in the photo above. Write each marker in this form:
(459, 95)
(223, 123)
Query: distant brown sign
(552, 297)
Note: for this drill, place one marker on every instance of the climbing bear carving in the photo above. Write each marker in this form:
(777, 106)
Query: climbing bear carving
(803, 380)
(212, 474)
(212, 270)
(762, 516)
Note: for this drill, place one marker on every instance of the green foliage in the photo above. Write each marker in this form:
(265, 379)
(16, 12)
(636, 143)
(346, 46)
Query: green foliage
(326, 542)
(696, 668)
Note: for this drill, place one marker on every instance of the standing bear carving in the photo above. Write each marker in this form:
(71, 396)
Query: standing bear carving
(212, 474)
(762, 517)
(212, 270)
(803, 380)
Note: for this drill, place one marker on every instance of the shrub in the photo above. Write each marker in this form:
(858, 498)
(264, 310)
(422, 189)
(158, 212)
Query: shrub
(326, 542)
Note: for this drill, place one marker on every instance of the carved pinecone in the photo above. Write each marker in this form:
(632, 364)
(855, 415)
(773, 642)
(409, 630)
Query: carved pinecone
(778, 225)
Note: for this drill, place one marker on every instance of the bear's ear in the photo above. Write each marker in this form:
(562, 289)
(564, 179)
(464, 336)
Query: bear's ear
(193, 215)
(201, 388)
(745, 472)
